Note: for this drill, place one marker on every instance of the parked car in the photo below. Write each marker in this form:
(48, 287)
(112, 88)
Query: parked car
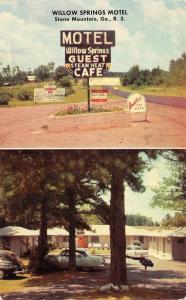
(10, 264)
(137, 243)
(84, 261)
(133, 251)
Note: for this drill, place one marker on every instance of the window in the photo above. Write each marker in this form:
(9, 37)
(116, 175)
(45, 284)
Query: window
(65, 239)
(94, 239)
(141, 239)
(180, 241)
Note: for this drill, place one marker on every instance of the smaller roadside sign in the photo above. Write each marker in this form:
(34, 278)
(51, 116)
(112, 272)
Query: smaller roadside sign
(99, 95)
(136, 103)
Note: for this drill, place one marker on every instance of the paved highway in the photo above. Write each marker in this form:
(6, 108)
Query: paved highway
(164, 100)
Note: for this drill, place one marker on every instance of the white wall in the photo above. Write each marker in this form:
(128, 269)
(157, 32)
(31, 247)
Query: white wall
(160, 247)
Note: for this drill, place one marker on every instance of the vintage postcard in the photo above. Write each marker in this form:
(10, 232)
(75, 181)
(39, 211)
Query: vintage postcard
(92, 74)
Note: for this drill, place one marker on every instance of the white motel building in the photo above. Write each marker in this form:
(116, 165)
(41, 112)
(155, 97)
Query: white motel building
(164, 244)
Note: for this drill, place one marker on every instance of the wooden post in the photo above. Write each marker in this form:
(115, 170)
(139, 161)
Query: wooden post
(88, 94)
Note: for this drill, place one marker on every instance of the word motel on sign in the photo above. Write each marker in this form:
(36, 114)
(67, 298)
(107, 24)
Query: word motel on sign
(86, 38)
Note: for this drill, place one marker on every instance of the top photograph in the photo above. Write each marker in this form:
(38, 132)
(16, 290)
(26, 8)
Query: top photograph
(92, 74)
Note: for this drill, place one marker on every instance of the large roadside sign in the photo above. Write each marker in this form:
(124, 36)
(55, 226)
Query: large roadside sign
(88, 53)
(49, 94)
(113, 81)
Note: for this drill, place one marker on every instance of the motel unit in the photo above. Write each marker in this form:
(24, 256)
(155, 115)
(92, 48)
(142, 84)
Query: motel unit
(161, 243)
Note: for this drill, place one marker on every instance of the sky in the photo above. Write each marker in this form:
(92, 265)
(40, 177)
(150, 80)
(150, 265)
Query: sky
(140, 202)
(152, 34)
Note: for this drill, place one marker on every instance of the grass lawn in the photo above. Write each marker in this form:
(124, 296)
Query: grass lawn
(158, 91)
(14, 285)
(93, 251)
(80, 94)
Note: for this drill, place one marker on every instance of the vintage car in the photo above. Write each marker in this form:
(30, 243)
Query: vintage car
(84, 261)
(133, 251)
(10, 264)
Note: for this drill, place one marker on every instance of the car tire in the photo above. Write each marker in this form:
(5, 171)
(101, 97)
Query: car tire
(2, 274)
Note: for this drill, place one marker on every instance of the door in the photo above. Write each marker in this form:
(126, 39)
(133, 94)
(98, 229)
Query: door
(83, 242)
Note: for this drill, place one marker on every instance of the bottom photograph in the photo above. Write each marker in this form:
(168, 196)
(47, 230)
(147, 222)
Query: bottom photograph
(93, 224)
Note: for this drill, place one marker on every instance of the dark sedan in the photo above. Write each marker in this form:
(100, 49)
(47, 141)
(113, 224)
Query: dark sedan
(10, 264)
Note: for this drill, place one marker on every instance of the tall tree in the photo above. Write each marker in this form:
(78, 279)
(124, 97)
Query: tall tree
(30, 185)
(171, 192)
(122, 167)
(54, 183)
(42, 72)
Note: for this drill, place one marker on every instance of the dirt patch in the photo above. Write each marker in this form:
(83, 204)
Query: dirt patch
(19, 128)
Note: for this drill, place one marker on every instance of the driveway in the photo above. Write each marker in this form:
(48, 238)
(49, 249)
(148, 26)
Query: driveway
(168, 277)
(164, 100)
(27, 127)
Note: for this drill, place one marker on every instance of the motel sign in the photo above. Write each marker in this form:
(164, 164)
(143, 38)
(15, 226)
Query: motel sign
(88, 53)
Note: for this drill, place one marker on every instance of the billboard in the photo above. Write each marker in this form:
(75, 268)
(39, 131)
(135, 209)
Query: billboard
(49, 94)
(87, 53)
(105, 81)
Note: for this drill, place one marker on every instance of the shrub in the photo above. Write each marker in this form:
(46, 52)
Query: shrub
(25, 95)
(69, 91)
(64, 82)
(4, 98)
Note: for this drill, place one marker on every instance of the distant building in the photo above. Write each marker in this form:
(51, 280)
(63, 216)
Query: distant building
(31, 78)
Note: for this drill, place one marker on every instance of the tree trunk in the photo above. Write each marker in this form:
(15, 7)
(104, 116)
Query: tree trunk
(42, 240)
(72, 231)
(118, 272)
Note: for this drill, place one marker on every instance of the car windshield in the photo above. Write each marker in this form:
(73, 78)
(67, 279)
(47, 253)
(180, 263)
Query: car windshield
(137, 248)
(8, 255)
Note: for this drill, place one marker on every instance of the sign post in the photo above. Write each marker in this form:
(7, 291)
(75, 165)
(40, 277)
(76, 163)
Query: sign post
(87, 53)
(88, 94)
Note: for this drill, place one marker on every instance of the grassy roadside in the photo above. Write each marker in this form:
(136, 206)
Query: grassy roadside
(157, 91)
(80, 93)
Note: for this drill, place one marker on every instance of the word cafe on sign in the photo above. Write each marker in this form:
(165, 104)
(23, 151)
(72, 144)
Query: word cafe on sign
(88, 53)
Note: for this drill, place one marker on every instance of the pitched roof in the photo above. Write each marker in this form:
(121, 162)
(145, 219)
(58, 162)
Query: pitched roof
(104, 230)
(16, 231)
(21, 231)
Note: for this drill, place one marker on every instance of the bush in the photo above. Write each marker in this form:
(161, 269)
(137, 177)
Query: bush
(64, 82)
(25, 95)
(69, 91)
(4, 98)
